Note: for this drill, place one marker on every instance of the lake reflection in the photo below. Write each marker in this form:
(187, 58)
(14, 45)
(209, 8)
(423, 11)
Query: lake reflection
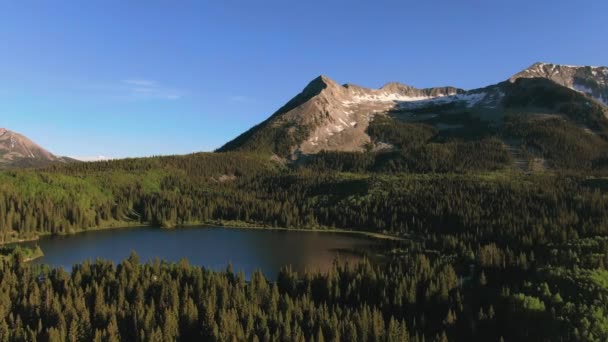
(246, 249)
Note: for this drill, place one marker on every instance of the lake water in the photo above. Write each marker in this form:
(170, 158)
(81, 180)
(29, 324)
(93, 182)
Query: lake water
(246, 249)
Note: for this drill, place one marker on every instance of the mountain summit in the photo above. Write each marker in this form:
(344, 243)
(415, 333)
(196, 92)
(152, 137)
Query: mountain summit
(548, 115)
(590, 80)
(17, 150)
(329, 116)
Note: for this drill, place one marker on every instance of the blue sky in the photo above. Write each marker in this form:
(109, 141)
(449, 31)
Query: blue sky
(137, 78)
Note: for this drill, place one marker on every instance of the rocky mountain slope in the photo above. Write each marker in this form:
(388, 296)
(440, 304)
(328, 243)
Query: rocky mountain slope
(327, 116)
(17, 150)
(593, 81)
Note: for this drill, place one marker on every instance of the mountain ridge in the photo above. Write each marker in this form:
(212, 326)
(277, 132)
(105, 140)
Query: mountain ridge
(590, 80)
(16, 150)
(327, 116)
(327, 108)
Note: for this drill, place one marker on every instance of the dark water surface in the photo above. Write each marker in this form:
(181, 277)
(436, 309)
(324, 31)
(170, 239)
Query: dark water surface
(247, 249)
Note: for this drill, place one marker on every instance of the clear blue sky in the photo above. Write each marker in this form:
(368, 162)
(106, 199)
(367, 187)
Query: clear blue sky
(136, 78)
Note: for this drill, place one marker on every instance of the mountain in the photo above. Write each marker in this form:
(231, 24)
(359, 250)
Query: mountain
(593, 81)
(17, 150)
(546, 116)
(329, 116)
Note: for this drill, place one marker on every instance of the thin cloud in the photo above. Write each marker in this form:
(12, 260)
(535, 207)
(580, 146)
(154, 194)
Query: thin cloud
(144, 83)
(136, 89)
(241, 99)
(150, 89)
(92, 158)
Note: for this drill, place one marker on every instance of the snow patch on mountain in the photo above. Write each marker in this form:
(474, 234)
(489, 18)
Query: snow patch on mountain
(582, 88)
(386, 97)
(469, 99)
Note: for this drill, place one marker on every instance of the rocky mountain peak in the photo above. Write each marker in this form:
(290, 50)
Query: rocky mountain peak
(396, 87)
(320, 83)
(327, 116)
(330, 116)
(18, 150)
(590, 80)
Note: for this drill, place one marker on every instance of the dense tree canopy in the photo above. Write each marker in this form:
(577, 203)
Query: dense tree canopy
(486, 255)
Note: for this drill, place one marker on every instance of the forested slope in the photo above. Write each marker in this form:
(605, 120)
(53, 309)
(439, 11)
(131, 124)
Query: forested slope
(487, 254)
(429, 291)
(511, 207)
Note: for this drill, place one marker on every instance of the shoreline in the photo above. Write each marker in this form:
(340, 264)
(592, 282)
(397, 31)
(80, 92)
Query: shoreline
(379, 236)
(33, 258)
(229, 225)
(27, 253)
(118, 225)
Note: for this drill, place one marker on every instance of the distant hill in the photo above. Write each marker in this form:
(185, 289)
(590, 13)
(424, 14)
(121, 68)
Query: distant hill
(546, 116)
(17, 151)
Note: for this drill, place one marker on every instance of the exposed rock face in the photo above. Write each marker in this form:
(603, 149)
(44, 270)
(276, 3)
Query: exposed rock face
(16, 151)
(336, 117)
(333, 117)
(592, 81)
